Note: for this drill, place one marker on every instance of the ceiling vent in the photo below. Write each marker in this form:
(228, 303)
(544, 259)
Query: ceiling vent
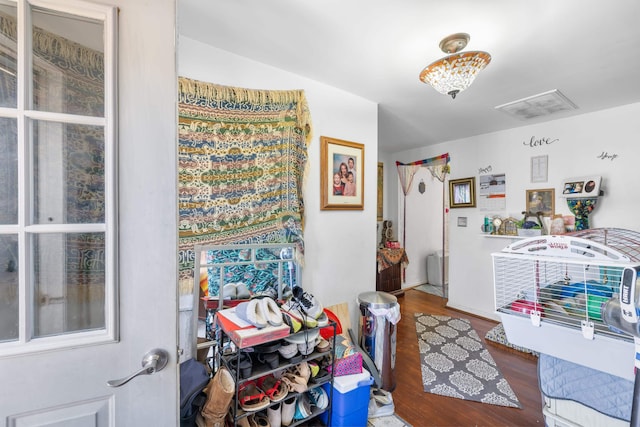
(543, 104)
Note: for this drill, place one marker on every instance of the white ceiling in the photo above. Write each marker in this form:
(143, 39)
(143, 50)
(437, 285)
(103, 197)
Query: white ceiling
(587, 49)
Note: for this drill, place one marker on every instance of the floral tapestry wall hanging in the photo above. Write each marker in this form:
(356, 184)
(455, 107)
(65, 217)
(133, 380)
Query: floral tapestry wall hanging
(242, 157)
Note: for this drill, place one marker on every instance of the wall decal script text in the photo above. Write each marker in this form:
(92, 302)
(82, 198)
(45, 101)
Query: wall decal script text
(607, 156)
(485, 170)
(539, 142)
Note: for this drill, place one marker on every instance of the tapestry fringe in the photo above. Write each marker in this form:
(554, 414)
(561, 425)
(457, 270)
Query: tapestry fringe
(50, 44)
(214, 92)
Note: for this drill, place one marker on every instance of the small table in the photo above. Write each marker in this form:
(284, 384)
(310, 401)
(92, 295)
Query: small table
(389, 265)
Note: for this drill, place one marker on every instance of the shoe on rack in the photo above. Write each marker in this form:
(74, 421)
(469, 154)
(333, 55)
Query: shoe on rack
(275, 389)
(288, 411)
(322, 345)
(305, 348)
(292, 309)
(251, 398)
(309, 305)
(323, 320)
(303, 408)
(260, 419)
(271, 311)
(314, 368)
(288, 350)
(274, 414)
(229, 291)
(242, 363)
(268, 291)
(318, 397)
(295, 380)
(293, 323)
(287, 294)
(302, 370)
(272, 360)
(322, 376)
(242, 291)
(251, 311)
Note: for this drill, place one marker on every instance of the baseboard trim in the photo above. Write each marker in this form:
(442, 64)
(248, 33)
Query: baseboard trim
(471, 310)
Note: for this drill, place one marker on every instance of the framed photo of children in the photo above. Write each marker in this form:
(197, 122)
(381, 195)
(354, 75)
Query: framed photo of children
(341, 174)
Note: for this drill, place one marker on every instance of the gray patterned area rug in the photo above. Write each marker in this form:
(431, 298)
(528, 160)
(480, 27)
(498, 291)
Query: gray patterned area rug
(456, 364)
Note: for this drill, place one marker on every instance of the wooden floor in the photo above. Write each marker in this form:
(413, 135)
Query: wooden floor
(425, 409)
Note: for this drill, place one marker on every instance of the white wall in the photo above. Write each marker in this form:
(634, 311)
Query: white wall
(580, 142)
(340, 246)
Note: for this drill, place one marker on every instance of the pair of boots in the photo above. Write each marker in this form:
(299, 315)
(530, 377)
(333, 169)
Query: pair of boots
(219, 391)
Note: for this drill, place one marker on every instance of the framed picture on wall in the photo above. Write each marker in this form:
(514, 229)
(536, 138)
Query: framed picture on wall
(462, 193)
(542, 200)
(341, 174)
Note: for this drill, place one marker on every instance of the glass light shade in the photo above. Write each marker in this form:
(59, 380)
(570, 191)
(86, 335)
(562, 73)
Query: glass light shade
(454, 73)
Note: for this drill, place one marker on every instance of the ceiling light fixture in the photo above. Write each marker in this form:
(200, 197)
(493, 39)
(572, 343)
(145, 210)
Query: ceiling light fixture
(454, 73)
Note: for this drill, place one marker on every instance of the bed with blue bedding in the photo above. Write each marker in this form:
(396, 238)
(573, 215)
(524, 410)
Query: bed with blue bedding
(575, 395)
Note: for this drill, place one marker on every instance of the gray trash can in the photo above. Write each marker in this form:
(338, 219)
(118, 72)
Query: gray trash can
(379, 314)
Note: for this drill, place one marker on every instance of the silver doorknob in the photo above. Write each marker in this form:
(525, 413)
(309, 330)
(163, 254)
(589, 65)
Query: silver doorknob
(154, 361)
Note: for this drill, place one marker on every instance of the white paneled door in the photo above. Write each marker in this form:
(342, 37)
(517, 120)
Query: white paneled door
(88, 213)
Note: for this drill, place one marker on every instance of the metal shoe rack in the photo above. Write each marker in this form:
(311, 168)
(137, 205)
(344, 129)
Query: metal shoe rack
(229, 355)
(260, 266)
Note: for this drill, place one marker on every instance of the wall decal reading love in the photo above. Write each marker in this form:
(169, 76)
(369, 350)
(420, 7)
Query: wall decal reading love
(539, 142)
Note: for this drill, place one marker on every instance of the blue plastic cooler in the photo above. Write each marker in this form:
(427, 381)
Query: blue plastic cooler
(350, 405)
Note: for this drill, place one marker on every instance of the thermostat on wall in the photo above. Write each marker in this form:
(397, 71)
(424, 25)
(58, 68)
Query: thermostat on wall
(586, 186)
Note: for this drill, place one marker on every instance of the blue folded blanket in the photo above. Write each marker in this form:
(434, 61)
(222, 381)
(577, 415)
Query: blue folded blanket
(606, 393)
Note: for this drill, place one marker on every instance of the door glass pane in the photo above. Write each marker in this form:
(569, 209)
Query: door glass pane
(68, 64)
(8, 171)
(8, 67)
(8, 287)
(68, 161)
(69, 281)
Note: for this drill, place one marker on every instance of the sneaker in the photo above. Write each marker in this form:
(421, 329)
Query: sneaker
(305, 348)
(318, 398)
(269, 291)
(292, 309)
(323, 320)
(309, 305)
(286, 292)
(288, 350)
(303, 408)
(314, 367)
(293, 323)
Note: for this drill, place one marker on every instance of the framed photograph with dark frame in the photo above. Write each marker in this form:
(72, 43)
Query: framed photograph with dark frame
(341, 174)
(541, 200)
(462, 193)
